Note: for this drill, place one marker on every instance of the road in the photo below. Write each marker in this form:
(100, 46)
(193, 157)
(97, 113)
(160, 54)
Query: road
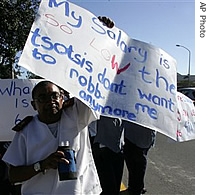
(171, 168)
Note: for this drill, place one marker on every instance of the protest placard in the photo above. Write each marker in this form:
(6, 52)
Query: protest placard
(15, 104)
(185, 117)
(110, 72)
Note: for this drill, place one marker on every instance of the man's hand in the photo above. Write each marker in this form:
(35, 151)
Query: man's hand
(23, 173)
(51, 162)
(106, 21)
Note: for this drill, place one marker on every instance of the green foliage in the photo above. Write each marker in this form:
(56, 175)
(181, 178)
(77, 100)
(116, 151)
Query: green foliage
(17, 17)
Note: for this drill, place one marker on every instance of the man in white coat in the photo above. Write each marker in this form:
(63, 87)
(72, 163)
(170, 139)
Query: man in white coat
(33, 155)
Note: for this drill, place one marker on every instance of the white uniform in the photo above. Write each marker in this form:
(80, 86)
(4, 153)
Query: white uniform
(35, 142)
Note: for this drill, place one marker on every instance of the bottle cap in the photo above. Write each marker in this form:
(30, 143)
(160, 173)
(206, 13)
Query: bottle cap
(67, 143)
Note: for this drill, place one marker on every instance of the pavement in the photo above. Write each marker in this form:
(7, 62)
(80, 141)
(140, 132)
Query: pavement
(170, 169)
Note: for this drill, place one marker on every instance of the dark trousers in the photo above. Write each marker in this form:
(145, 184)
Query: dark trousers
(6, 188)
(136, 162)
(110, 169)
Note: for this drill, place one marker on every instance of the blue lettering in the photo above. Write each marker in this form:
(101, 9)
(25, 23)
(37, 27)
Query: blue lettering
(21, 103)
(48, 41)
(113, 87)
(119, 38)
(16, 103)
(78, 25)
(100, 29)
(44, 57)
(67, 12)
(25, 103)
(123, 46)
(26, 90)
(17, 119)
(130, 48)
(171, 88)
(73, 71)
(103, 80)
(55, 4)
(142, 95)
(158, 78)
(70, 51)
(59, 51)
(14, 90)
(58, 48)
(152, 112)
(146, 77)
(89, 67)
(35, 34)
(83, 81)
(106, 109)
(144, 55)
(164, 62)
(17, 88)
(77, 61)
(144, 74)
(120, 43)
(82, 94)
(111, 34)
(168, 104)
(117, 112)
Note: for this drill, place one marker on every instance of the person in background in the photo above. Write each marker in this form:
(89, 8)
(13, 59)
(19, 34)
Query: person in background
(138, 141)
(107, 139)
(33, 155)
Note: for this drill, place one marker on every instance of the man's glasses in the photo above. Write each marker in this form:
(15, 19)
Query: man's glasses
(46, 98)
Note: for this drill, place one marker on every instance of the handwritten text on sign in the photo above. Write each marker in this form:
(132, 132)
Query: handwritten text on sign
(110, 72)
(185, 118)
(15, 103)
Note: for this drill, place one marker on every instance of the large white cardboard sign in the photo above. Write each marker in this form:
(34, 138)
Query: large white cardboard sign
(110, 72)
(185, 118)
(15, 104)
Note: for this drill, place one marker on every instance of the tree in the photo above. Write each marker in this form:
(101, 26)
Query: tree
(17, 17)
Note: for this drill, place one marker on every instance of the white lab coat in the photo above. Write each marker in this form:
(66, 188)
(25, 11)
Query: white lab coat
(35, 142)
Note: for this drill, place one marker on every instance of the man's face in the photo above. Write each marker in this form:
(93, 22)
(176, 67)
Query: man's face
(48, 102)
